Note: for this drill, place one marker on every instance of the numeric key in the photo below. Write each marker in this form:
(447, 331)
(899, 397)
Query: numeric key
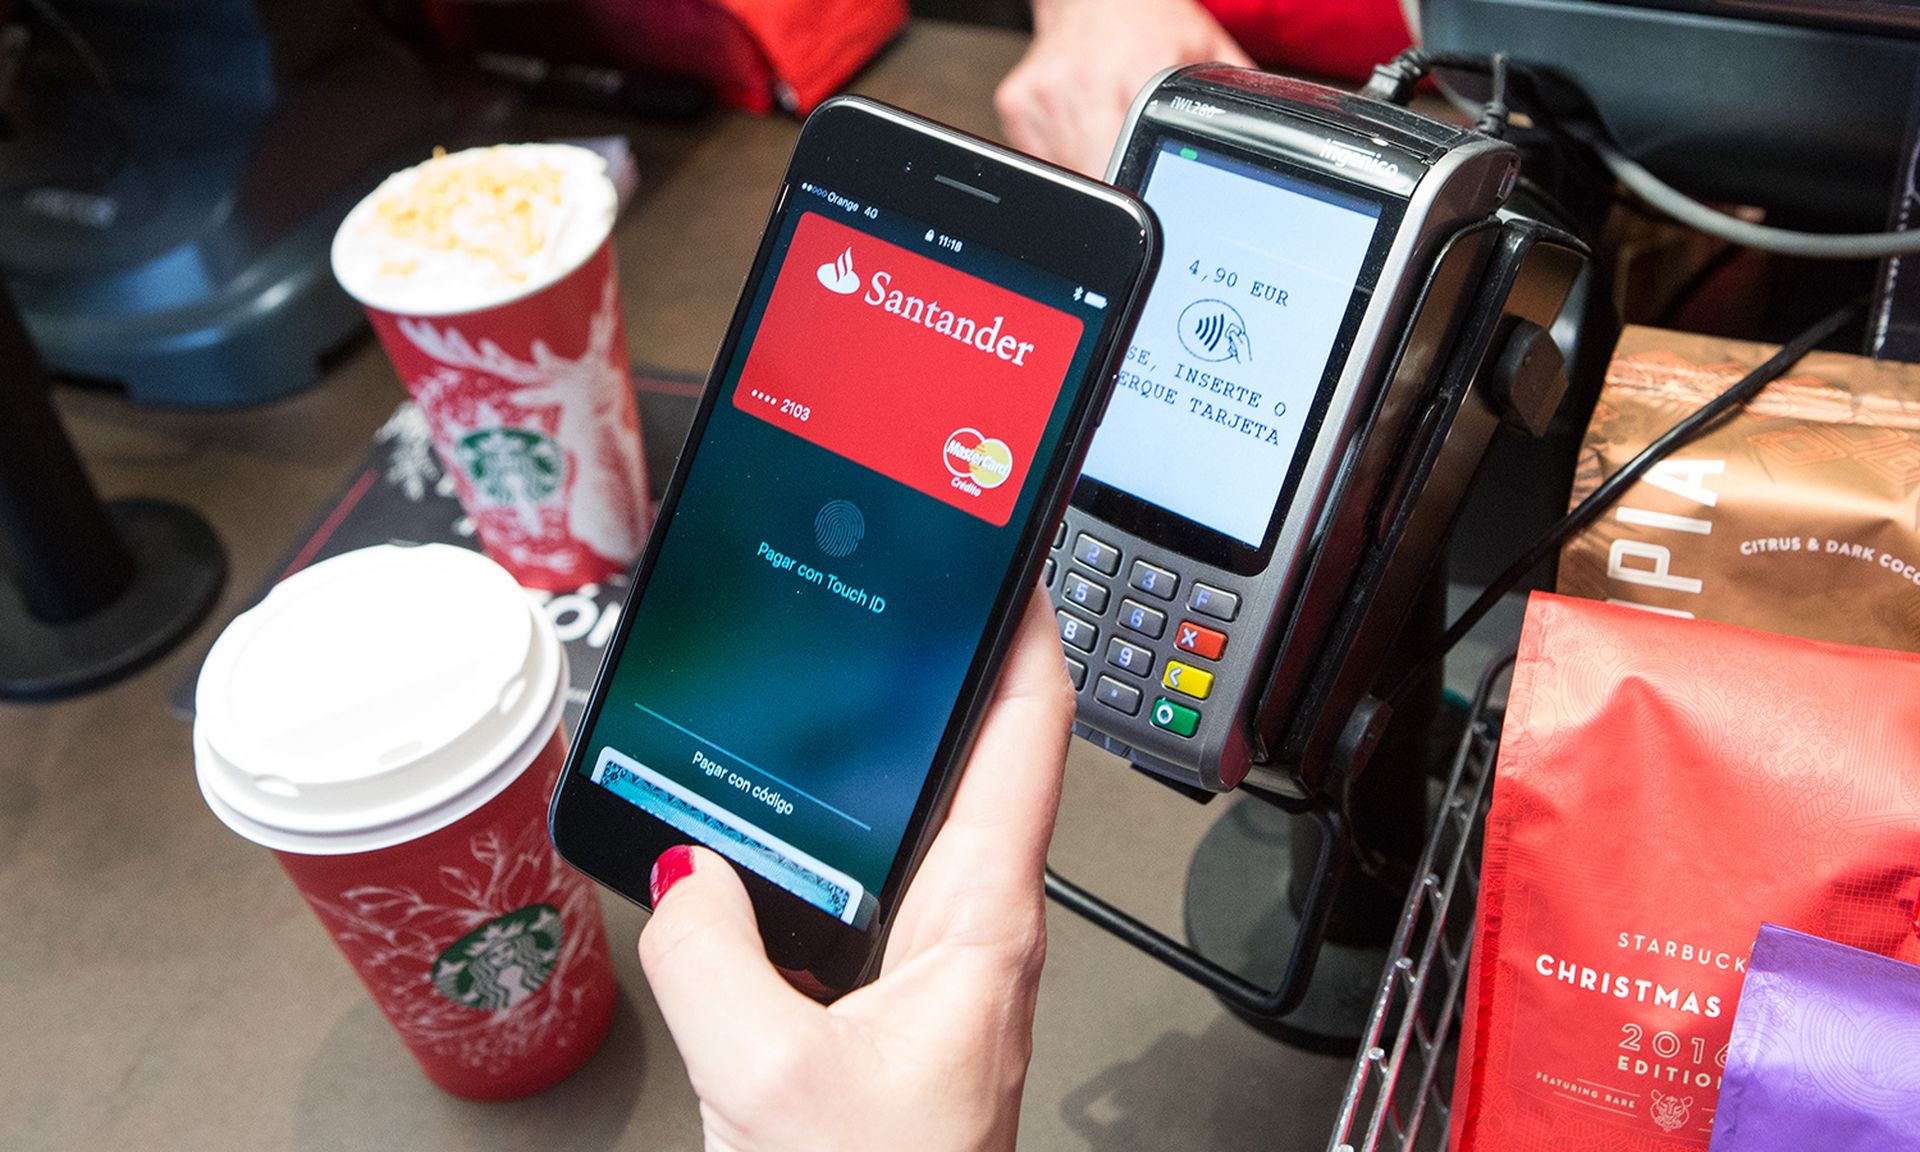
(1084, 592)
(1129, 657)
(1153, 580)
(1142, 619)
(1077, 633)
(1098, 555)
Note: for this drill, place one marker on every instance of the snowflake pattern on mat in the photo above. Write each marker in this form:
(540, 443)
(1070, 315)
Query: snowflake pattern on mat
(410, 463)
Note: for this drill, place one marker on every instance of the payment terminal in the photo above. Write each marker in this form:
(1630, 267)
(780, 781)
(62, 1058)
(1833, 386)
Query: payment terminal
(1295, 419)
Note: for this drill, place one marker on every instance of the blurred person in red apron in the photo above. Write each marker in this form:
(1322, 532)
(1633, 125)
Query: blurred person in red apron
(1067, 97)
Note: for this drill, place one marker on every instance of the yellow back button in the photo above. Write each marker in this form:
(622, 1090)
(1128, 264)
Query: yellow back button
(1187, 680)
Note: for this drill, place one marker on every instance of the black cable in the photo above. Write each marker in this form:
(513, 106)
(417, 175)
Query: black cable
(1493, 114)
(1614, 486)
(1396, 80)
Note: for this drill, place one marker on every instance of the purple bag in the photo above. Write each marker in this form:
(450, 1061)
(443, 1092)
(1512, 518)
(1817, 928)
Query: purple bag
(1825, 1051)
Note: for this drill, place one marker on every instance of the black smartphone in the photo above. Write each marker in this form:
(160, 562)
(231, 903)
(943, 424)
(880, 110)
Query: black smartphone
(883, 452)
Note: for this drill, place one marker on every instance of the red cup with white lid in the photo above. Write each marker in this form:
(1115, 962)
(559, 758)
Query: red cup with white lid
(388, 723)
(489, 276)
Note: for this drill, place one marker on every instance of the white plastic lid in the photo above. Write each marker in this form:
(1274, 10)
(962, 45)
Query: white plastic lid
(373, 698)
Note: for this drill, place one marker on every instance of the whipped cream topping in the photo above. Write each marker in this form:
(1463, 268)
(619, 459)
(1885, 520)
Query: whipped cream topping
(474, 229)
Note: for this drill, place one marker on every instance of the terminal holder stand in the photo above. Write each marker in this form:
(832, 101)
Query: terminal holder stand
(89, 592)
(1502, 367)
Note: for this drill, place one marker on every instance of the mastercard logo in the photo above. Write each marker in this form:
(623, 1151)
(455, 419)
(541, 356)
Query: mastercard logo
(984, 461)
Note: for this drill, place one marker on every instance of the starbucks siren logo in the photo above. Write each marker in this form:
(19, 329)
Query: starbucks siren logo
(512, 465)
(501, 963)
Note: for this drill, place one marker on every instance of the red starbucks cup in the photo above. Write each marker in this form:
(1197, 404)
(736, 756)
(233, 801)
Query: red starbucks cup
(388, 723)
(489, 276)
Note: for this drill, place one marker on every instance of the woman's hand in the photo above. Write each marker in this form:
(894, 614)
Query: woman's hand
(1067, 98)
(933, 1055)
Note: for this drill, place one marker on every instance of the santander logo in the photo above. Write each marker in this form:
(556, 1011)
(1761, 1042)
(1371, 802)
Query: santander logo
(839, 278)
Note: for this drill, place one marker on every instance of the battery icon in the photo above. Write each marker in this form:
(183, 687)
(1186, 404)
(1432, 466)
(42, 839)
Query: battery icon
(1095, 300)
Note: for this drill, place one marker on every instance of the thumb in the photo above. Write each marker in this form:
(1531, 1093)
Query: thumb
(709, 971)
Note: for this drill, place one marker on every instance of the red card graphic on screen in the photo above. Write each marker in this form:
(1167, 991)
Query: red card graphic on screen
(929, 376)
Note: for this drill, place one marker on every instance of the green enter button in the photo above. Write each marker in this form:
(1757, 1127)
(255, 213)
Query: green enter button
(1175, 718)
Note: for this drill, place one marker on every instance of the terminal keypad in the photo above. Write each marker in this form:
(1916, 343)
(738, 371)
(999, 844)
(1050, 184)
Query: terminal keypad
(1142, 645)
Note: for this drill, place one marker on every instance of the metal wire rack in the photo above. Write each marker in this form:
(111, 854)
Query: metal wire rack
(1401, 1086)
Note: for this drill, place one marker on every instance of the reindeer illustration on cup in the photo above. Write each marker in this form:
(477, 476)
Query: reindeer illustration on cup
(546, 447)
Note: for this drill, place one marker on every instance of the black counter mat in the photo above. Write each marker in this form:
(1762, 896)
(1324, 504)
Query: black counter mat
(399, 495)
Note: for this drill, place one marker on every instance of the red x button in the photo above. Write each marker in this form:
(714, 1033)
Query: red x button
(1200, 640)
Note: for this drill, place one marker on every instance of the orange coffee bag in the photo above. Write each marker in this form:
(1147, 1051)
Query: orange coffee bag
(1800, 514)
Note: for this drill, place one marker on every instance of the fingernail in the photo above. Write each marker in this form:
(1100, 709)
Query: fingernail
(673, 866)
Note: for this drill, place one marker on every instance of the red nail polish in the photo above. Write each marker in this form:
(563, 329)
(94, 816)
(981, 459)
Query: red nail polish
(673, 866)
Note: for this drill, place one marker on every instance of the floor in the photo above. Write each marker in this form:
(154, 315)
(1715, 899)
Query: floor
(163, 987)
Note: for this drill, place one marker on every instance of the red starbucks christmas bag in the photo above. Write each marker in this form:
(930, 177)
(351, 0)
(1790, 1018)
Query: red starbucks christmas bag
(1663, 786)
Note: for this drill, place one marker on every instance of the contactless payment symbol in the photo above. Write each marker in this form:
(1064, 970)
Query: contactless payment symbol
(839, 527)
(1213, 330)
(974, 457)
(839, 275)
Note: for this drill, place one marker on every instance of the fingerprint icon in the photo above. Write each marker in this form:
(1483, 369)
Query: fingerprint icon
(1213, 330)
(839, 528)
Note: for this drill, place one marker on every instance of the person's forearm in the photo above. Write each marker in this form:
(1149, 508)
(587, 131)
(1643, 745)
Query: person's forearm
(1067, 97)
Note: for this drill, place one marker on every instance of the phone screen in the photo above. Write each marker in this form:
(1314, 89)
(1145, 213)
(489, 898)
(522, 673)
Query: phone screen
(1260, 272)
(804, 634)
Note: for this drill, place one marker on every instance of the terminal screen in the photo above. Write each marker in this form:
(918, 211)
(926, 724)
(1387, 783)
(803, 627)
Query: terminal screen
(1257, 274)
